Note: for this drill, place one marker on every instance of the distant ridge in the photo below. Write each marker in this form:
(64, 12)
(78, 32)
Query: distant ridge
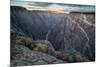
(18, 7)
(39, 10)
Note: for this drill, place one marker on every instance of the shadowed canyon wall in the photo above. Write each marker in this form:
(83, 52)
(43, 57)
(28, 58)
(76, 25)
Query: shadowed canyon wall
(69, 33)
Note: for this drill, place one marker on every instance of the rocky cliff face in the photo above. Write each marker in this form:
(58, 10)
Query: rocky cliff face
(68, 33)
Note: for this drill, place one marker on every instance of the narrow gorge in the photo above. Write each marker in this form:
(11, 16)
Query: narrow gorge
(70, 34)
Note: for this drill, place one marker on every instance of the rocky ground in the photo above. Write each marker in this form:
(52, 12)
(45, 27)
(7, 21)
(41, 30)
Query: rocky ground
(47, 38)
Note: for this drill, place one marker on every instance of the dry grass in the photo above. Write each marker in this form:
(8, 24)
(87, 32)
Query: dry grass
(40, 46)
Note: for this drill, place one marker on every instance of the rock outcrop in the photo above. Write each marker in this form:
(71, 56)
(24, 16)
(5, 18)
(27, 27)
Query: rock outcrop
(23, 56)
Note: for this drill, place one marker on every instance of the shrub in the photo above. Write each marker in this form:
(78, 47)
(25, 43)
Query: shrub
(20, 41)
(24, 40)
(40, 47)
(79, 58)
(61, 55)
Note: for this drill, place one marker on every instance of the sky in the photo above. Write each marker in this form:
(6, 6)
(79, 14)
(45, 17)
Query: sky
(49, 6)
(87, 2)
